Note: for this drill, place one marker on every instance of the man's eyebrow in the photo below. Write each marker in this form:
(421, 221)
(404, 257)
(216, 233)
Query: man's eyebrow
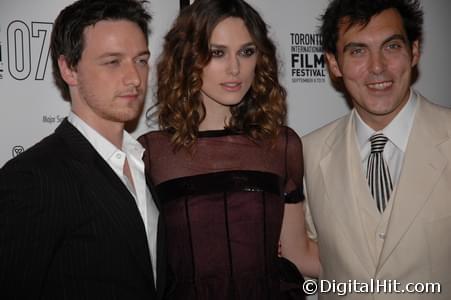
(118, 54)
(353, 45)
(108, 54)
(395, 36)
(145, 52)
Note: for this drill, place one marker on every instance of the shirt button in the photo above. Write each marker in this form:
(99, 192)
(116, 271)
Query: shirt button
(118, 156)
(382, 235)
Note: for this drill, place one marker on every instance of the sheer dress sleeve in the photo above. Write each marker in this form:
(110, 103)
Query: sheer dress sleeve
(294, 167)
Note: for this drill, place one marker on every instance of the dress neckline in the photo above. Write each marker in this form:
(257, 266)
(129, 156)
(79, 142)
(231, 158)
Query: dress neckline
(216, 133)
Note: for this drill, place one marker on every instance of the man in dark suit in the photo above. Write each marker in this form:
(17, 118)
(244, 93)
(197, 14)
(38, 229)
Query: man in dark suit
(77, 220)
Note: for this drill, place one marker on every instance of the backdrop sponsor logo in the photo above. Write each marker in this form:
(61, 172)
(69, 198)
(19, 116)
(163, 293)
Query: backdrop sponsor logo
(27, 50)
(307, 58)
(52, 119)
(17, 150)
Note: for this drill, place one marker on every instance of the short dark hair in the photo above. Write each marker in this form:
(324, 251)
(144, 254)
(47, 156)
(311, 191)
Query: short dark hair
(361, 12)
(67, 36)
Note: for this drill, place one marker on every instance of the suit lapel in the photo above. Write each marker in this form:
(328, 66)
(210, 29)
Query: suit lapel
(422, 166)
(161, 240)
(121, 206)
(342, 174)
(111, 194)
(162, 264)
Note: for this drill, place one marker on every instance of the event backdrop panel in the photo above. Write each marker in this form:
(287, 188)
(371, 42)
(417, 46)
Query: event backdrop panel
(31, 106)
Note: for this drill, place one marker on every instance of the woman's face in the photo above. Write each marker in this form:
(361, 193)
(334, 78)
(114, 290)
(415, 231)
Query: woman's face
(231, 70)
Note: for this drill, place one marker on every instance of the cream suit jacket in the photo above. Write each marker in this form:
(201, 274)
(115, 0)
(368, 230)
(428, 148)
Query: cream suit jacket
(417, 243)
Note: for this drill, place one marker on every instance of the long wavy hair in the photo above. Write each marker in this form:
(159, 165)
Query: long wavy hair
(186, 51)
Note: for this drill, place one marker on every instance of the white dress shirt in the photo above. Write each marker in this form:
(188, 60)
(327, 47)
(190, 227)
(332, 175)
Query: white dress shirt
(397, 132)
(115, 158)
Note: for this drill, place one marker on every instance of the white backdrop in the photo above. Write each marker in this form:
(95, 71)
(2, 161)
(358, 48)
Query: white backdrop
(31, 107)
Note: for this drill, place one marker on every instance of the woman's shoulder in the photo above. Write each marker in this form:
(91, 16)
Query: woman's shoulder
(289, 135)
(154, 136)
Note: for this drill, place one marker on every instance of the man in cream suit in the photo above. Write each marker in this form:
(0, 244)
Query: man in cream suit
(378, 181)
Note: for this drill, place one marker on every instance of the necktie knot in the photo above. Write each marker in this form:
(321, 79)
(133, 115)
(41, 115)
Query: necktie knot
(378, 142)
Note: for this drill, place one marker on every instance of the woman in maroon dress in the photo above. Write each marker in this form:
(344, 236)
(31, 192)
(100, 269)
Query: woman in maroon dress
(227, 172)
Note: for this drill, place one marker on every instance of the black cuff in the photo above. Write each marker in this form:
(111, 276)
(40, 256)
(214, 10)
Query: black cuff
(295, 196)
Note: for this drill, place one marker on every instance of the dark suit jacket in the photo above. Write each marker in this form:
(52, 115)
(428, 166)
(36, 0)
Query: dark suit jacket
(69, 228)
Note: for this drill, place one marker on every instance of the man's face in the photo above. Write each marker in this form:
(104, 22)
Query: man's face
(375, 62)
(109, 83)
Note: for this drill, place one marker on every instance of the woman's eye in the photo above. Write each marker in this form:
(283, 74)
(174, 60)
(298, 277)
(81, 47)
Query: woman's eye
(216, 53)
(248, 51)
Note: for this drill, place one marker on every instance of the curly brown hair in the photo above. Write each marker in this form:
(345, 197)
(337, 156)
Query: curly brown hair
(186, 51)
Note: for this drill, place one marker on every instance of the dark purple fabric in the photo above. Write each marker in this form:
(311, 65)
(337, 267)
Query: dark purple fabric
(223, 206)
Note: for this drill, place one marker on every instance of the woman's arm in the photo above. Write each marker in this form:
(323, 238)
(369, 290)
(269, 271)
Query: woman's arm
(295, 244)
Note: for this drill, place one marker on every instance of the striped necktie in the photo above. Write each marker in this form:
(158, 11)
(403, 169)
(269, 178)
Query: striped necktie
(378, 174)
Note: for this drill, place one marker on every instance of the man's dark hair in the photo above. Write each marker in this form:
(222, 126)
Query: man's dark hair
(361, 11)
(67, 36)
